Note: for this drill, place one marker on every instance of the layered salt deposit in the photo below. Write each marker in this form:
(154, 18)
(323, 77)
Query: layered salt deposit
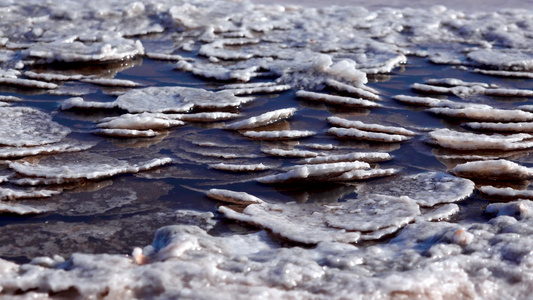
(323, 226)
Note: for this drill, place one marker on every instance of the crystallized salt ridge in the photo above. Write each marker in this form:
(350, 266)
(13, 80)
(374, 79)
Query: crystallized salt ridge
(493, 170)
(24, 126)
(112, 82)
(18, 209)
(336, 121)
(263, 119)
(427, 189)
(483, 114)
(353, 133)
(28, 83)
(443, 212)
(240, 167)
(501, 127)
(236, 86)
(312, 173)
(52, 76)
(13, 194)
(451, 82)
(364, 174)
(423, 101)
(208, 116)
(233, 197)
(259, 89)
(336, 100)
(83, 166)
(144, 121)
(126, 132)
(352, 90)
(278, 135)
(505, 193)
(9, 98)
(63, 146)
(471, 141)
(290, 153)
(164, 56)
(512, 74)
(292, 222)
(369, 157)
(466, 90)
(79, 103)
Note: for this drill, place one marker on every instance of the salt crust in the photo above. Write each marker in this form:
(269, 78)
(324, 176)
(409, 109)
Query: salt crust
(352, 90)
(369, 157)
(23, 126)
(233, 197)
(512, 74)
(76, 166)
(9, 98)
(143, 121)
(278, 135)
(336, 121)
(471, 141)
(427, 189)
(18, 209)
(290, 153)
(423, 101)
(483, 114)
(51, 76)
(367, 135)
(126, 132)
(28, 83)
(259, 89)
(505, 193)
(263, 119)
(79, 103)
(112, 82)
(64, 146)
(525, 127)
(364, 174)
(493, 170)
(336, 100)
(465, 90)
(241, 167)
(313, 173)
(13, 194)
(207, 116)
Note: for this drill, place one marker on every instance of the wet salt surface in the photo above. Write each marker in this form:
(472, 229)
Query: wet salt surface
(248, 185)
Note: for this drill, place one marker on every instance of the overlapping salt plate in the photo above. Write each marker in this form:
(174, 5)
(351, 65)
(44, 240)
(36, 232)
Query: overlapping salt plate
(112, 82)
(240, 167)
(126, 132)
(483, 114)
(24, 126)
(263, 119)
(278, 135)
(208, 116)
(18, 209)
(336, 100)
(369, 157)
(52, 76)
(500, 169)
(502, 59)
(258, 89)
(27, 83)
(342, 87)
(313, 173)
(143, 121)
(511, 74)
(353, 133)
(427, 189)
(65, 145)
(233, 197)
(290, 153)
(364, 174)
(13, 194)
(82, 166)
(341, 122)
(424, 101)
(79, 103)
(505, 193)
(176, 99)
(501, 127)
(471, 141)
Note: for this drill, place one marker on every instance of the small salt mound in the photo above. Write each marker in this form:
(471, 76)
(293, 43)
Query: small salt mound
(126, 132)
(52, 76)
(314, 173)
(501, 127)
(373, 212)
(64, 146)
(364, 174)
(290, 153)
(493, 170)
(176, 99)
(336, 121)
(357, 134)
(511, 74)
(502, 59)
(505, 193)
(427, 189)
(519, 209)
(295, 222)
(23, 126)
(18, 209)
(79, 103)
(259, 89)
(27, 83)
(144, 121)
(263, 119)
(241, 167)
(112, 82)
(13, 194)
(278, 135)
(471, 141)
(369, 157)
(82, 166)
(483, 114)
(233, 197)
(336, 100)
(342, 87)
(424, 101)
(208, 116)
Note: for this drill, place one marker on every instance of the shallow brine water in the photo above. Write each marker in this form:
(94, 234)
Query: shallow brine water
(275, 152)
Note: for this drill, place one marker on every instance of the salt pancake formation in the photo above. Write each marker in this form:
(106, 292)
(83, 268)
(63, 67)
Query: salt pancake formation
(324, 187)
